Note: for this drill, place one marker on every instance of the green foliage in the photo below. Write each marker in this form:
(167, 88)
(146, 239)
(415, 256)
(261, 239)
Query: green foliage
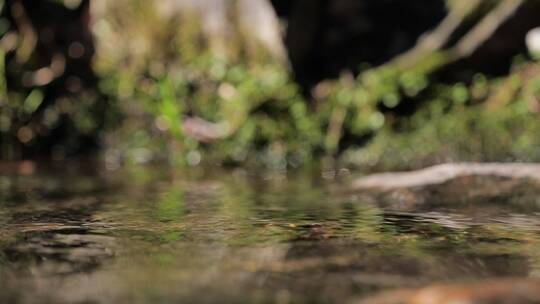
(182, 102)
(256, 114)
(448, 130)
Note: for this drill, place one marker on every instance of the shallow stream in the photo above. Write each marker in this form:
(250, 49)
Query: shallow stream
(144, 236)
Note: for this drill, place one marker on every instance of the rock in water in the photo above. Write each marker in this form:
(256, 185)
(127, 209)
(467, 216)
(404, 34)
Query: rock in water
(451, 183)
(500, 291)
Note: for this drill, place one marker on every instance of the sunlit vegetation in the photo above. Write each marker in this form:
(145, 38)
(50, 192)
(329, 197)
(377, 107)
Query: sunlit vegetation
(165, 95)
(239, 109)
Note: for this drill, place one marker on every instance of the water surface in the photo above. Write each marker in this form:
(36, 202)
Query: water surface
(155, 236)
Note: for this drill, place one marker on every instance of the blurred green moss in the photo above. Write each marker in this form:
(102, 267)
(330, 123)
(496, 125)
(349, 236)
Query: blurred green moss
(161, 74)
(165, 76)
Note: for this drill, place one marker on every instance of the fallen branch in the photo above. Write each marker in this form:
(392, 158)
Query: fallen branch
(444, 173)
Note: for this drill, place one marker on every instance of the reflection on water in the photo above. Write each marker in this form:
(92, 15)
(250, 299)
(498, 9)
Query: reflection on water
(140, 237)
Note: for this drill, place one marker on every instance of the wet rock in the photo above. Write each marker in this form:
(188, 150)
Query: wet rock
(56, 253)
(444, 173)
(314, 232)
(454, 183)
(499, 291)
